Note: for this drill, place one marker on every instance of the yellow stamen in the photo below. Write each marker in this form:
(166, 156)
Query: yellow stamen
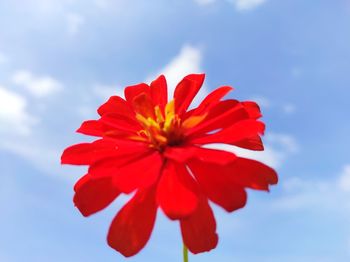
(165, 127)
(170, 108)
(161, 138)
(138, 138)
(147, 122)
(153, 123)
(193, 121)
(169, 114)
(159, 115)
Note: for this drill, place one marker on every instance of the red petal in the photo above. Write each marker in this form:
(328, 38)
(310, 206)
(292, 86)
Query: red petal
(93, 128)
(212, 99)
(251, 173)
(199, 230)
(216, 183)
(140, 173)
(186, 90)
(253, 109)
(133, 225)
(222, 115)
(252, 143)
(109, 166)
(94, 194)
(177, 191)
(237, 132)
(120, 122)
(159, 91)
(131, 92)
(184, 154)
(214, 156)
(116, 105)
(87, 153)
(143, 105)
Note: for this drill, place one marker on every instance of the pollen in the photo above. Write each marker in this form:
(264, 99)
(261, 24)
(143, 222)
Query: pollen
(164, 129)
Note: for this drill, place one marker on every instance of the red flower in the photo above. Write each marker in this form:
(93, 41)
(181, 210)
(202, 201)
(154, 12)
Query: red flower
(154, 147)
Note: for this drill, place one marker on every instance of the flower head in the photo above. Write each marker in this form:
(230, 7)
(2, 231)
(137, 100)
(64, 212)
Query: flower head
(154, 147)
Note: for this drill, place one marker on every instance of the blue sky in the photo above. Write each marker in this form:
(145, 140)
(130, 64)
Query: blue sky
(60, 59)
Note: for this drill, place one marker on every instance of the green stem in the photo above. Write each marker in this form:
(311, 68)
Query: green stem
(185, 253)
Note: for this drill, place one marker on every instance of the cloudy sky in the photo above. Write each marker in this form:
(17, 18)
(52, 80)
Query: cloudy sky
(60, 59)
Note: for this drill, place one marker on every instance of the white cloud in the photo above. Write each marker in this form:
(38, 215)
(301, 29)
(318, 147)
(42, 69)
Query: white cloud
(39, 86)
(285, 142)
(106, 91)
(289, 108)
(262, 101)
(308, 194)
(296, 72)
(101, 93)
(244, 5)
(14, 118)
(344, 179)
(266, 103)
(205, 2)
(3, 58)
(42, 154)
(278, 147)
(103, 4)
(188, 61)
(17, 136)
(74, 23)
(47, 7)
(240, 5)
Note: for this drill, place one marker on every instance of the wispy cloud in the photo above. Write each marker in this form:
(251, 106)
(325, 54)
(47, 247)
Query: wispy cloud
(289, 108)
(344, 179)
(261, 100)
(3, 58)
(20, 124)
(302, 193)
(205, 2)
(39, 86)
(278, 147)
(266, 103)
(187, 61)
(14, 117)
(103, 4)
(74, 23)
(240, 5)
(105, 91)
(245, 5)
(17, 127)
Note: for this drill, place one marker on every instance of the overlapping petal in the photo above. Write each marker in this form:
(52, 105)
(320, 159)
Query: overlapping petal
(199, 229)
(110, 166)
(159, 91)
(222, 115)
(132, 227)
(140, 173)
(156, 149)
(88, 153)
(212, 99)
(130, 92)
(116, 105)
(94, 194)
(237, 132)
(186, 90)
(242, 172)
(177, 192)
(217, 184)
(186, 153)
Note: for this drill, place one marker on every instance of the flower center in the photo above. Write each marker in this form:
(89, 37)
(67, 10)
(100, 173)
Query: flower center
(163, 129)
